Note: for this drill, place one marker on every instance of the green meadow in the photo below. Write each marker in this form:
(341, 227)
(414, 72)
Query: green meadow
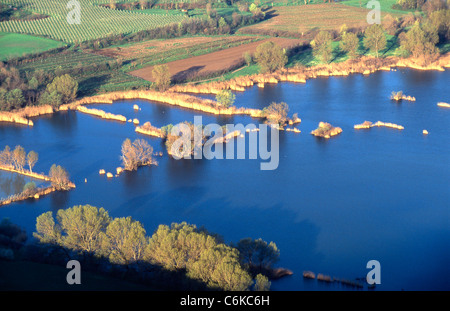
(14, 45)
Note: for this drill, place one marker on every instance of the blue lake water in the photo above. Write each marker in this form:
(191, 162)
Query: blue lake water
(330, 206)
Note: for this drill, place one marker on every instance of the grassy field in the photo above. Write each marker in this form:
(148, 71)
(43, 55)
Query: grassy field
(385, 5)
(13, 45)
(96, 21)
(306, 58)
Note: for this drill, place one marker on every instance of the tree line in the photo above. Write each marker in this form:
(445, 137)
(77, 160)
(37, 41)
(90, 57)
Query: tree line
(18, 158)
(179, 248)
(417, 36)
(38, 88)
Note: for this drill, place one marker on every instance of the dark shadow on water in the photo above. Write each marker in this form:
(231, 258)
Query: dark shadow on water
(63, 121)
(59, 199)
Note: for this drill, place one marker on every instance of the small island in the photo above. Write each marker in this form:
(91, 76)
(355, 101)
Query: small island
(148, 129)
(399, 96)
(16, 160)
(444, 105)
(102, 114)
(326, 130)
(368, 124)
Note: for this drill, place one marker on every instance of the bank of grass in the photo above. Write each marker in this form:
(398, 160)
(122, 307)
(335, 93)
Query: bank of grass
(243, 71)
(16, 45)
(307, 58)
(385, 5)
(27, 275)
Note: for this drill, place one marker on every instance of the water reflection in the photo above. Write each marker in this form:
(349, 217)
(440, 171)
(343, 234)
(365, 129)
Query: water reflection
(65, 123)
(13, 183)
(59, 199)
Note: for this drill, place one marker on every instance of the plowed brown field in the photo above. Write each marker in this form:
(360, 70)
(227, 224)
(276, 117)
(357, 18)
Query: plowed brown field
(211, 62)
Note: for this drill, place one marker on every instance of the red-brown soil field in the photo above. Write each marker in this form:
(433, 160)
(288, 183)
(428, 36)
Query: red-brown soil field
(211, 62)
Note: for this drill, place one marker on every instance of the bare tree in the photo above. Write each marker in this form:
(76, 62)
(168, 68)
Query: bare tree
(6, 157)
(19, 158)
(59, 177)
(135, 154)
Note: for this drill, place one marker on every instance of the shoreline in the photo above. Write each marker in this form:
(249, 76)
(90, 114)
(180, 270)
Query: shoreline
(364, 65)
(176, 95)
(167, 97)
(36, 195)
(25, 173)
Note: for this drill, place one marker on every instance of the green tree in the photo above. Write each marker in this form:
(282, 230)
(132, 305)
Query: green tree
(258, 254)
(420, 42)
(47, 230)
(225, 98)
(65, 86)
(178, 246)
(15, 99)
(82, 227)
(219, 267)
(270, 57)
(124, 241)
(322, 46)
(349, 44)
(53, 99)
(33, 84)
(374, 38)
(262, 283)
(440, 22)
(29, 189)
(32, 159)
(222, 23)
(3, 103)
(248, 58)
(161, 76)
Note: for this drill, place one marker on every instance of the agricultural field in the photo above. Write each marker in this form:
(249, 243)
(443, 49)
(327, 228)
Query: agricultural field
(15, 45)
(96, 21)
(385, 5)
(153, 52)
(90, 70)
(202, 65)
(304, 18)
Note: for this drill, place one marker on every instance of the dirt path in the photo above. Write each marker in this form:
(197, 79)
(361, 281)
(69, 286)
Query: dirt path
(212, 62)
